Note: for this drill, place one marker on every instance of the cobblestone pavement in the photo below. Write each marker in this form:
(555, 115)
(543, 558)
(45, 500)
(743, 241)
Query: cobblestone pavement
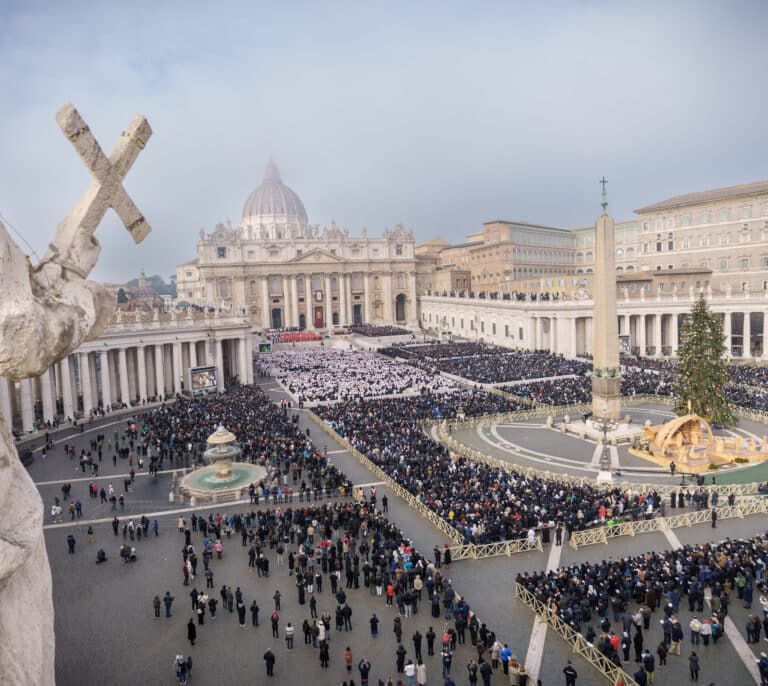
(106, 632)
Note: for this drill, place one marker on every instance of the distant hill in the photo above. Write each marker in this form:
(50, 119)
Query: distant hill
(158, 283)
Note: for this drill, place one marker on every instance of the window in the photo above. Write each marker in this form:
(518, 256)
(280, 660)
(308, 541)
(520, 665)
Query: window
(746, 212)
(462, 322)
(316, 283)
(658, 246)
(375, 252)
(356, 283)
(506, 330)
(453, 321)
(254, 288)
(645, 248)
(493, 329)
(221, 252)
(334, 285)
(647, 226)
(520, 333)
(189, 275)
(745, 237)
(670, 223)
(274, 285)
(744, 263)
(725, 215)
(399, 249)
(724, 263)
(659, 224)
(724, 239)
(661, 286)
(764, 210)
(223, 288)
(686, 243)
(333, 251)
(633, 287)
(686, 220)
(670, 266)
(705, 217)
(299, 251)
(765, 263)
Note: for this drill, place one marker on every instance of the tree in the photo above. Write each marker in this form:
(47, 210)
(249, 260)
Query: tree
(702, 373)
(122, 297)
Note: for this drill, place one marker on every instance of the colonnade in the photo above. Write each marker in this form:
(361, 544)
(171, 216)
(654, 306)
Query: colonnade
(104, 375)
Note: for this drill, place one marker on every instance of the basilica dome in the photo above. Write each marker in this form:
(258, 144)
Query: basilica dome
(273, 210)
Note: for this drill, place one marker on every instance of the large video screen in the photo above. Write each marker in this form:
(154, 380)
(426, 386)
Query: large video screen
(265, 347)
(202, 379)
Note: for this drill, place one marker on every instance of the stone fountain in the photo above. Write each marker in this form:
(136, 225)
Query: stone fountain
(223, 478)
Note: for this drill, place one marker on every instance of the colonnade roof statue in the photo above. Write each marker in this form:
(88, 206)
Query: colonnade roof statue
(46, 311)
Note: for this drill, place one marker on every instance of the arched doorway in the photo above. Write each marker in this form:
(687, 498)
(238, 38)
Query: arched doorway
(357, 314)
(400, 308)
(302, 321)
(277, 318)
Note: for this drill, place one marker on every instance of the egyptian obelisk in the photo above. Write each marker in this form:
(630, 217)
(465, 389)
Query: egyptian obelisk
(606, 377)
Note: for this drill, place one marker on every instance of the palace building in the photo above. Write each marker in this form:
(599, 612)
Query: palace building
(287, 273)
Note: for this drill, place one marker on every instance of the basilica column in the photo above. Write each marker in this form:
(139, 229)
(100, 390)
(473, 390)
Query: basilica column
(106, 381)
(294, 295)
(192, 354)
(412, 314)
(66, 387)
(159, 372)
(6, 407)
(727, 333)
(308, 302)
(27, 406)
(220, 366)
(243, 355)
(265, 321)
(328, 303)
(368, 318)
(178, 372)
(287, 311)
(386, 290)
(343, 319)
(141, 364)
(122, 362)
(85, 383)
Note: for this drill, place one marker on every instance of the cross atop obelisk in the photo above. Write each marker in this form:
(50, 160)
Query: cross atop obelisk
(604, 201)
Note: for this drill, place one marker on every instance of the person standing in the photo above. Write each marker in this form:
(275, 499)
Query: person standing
(168, 601)
(269, 659)
(289, 632)
(417, 645)
(191, 631)
(156, 604)
(71, 544)
(275, 619)
(570, 674)
(254, 613)
(364, 667)
(693, 665)
(421, 674)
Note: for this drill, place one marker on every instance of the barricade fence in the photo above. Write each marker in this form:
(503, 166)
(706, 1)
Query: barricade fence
(613, 674)
(460, 551)
(600, 534)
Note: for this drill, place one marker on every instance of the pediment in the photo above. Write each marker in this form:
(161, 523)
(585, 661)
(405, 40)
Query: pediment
(317, 255)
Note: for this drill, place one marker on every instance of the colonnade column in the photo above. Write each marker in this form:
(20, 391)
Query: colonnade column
(746, 340)
(141, 364)
(673, 333)
(27, 406)
(294, 299)
(328, 301)
(220, 366)
(368, 318)
(641, 334)
(6, 407)
(727, 333)
(122, 361)
(66, 387)
(265, 300)
(343, 300)
(106, 381)
(49, 409)
(85, 384)
(657, 333)
(159, 371)
(178, 374)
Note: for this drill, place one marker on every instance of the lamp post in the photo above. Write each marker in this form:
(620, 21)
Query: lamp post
(605, 425)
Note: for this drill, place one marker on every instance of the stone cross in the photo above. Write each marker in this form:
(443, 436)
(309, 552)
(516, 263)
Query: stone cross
(74, 248)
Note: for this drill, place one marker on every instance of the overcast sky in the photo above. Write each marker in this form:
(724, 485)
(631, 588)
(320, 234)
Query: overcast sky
(437, 115)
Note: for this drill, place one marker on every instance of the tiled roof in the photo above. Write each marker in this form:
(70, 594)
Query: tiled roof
(705, 196)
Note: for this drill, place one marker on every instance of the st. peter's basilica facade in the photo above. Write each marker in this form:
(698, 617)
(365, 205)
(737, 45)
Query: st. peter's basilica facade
(287, 273)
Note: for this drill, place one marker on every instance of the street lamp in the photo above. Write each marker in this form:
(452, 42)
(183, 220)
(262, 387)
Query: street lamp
(605, 425)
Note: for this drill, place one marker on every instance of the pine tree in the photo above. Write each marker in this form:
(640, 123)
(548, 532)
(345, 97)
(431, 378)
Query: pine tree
(702, 373)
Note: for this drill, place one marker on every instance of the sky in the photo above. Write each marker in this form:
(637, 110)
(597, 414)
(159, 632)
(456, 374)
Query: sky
(436, 115)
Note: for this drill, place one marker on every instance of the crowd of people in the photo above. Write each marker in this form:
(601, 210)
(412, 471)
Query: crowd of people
(330, 374)
(484, 504)
(374, 331)
(483, 363)
(613, 602)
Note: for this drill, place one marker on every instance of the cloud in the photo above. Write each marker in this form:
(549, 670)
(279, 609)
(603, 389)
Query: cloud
(436, 115)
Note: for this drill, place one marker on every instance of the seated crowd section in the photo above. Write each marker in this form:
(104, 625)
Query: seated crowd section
(330, 374)
(373, 331)
(484, 504)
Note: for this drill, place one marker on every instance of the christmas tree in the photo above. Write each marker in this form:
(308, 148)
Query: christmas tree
(702, 373)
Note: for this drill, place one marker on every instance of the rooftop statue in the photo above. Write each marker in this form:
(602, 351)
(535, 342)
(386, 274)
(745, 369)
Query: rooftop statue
(45, 313)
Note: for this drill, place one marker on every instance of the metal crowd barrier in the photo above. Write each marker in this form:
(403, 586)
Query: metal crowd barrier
(615, 675)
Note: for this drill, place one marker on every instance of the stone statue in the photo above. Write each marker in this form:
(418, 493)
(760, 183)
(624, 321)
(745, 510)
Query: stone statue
(46, 312)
